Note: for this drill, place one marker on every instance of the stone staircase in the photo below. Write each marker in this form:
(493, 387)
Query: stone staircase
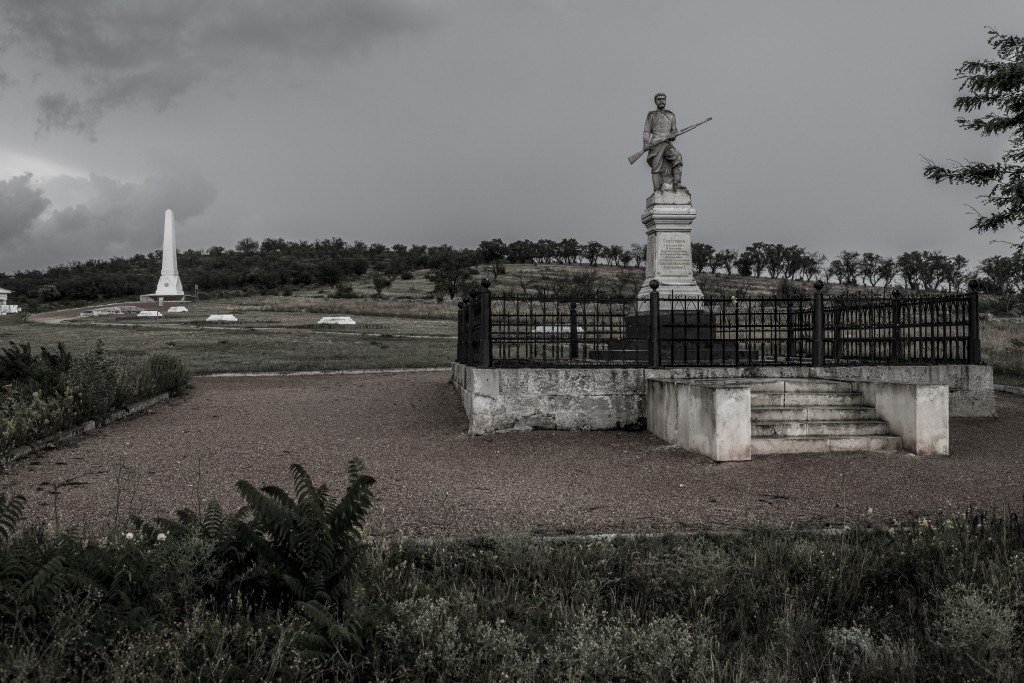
(814, 416)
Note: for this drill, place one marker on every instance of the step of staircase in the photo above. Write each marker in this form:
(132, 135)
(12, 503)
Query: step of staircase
(818, 428)
(814, 416)
(804, 398)
(812, 413)
(824, 444)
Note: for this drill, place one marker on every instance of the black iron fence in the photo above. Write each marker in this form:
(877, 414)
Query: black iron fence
(819, 330)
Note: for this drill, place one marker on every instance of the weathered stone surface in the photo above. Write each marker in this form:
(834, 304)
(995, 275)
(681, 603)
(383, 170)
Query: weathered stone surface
(919, 413)
(505, 399)
(713, 420)
(970, 386)
(499, 399)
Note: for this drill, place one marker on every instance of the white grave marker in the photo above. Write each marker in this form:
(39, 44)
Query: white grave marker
(336, 320)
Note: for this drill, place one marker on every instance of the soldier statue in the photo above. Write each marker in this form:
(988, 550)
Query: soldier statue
(664, 159)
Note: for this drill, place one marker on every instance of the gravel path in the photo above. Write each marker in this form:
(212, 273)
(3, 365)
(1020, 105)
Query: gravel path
(433, 479)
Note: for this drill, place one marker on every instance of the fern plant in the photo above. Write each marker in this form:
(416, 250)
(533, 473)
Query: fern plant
(10, 514)
(310, 543)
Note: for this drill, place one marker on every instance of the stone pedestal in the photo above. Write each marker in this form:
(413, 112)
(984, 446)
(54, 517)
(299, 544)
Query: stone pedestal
(668, 218)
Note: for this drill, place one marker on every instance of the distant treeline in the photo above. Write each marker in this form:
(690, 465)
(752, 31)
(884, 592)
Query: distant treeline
(276, 264)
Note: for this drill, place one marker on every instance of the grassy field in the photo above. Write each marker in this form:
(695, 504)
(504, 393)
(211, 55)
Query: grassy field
(1002, 347)
(267, 346)
(404, 328)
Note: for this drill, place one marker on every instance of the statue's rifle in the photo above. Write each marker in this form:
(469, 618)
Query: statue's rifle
(673, 136)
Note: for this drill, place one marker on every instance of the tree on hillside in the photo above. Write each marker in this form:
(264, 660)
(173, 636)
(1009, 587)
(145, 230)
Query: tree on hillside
(451, 274)
(638, 252)
(247, 245)
(752, 258)
(909, 266)
(568, 250)
(380, 282)
(724, 259)
(591, 251)
(995, 85)
(493, 253)
(886, 271)
(846, 267)
(522, 251)
(1003, 276)
(869, 268)
(613, 254)
(703, 256)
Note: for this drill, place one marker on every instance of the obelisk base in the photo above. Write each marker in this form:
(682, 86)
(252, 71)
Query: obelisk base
(668, 220)
(169, 286)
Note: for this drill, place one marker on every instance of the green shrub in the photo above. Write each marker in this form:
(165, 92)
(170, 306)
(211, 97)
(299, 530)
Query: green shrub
(24, 420)
(46, 372)
(94, 381)
(344, 290)
(167, 372)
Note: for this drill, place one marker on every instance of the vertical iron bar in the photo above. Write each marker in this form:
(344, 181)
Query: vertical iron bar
(654, 343)
(896, 348)
(460, 351)
(485, 324)
(574, 342)
(818, 327)
(789, 331)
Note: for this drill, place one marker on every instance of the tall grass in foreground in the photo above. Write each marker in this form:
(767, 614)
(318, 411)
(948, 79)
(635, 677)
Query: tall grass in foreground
(289, 589)
(1002, 347)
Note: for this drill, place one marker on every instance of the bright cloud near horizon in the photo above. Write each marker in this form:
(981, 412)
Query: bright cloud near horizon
(451, 121)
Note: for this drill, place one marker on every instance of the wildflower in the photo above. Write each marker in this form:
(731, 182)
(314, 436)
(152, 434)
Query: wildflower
(130, 536)
(161, 537)
(870, 510)
(892, 531)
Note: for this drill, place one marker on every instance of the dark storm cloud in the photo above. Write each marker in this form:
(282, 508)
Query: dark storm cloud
(20, 205)
(114, 218)
(151, 51)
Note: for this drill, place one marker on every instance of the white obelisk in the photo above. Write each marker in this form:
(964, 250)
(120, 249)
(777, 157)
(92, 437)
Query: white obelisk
(170, 283)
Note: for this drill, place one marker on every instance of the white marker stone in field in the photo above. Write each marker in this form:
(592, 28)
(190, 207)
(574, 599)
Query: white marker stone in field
(177, 309)
(336, 320)
(149, 314)
(222, 318)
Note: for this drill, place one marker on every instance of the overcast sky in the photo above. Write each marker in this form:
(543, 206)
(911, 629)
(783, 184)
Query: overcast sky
(430, 121)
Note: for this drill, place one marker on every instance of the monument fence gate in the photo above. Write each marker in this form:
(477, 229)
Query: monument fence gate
(505, 330)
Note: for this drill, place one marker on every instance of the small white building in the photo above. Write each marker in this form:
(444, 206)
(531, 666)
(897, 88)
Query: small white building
(6, 308)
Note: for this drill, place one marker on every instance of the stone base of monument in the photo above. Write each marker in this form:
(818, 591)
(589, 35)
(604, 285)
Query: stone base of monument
(915, 402)
(668, 221)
